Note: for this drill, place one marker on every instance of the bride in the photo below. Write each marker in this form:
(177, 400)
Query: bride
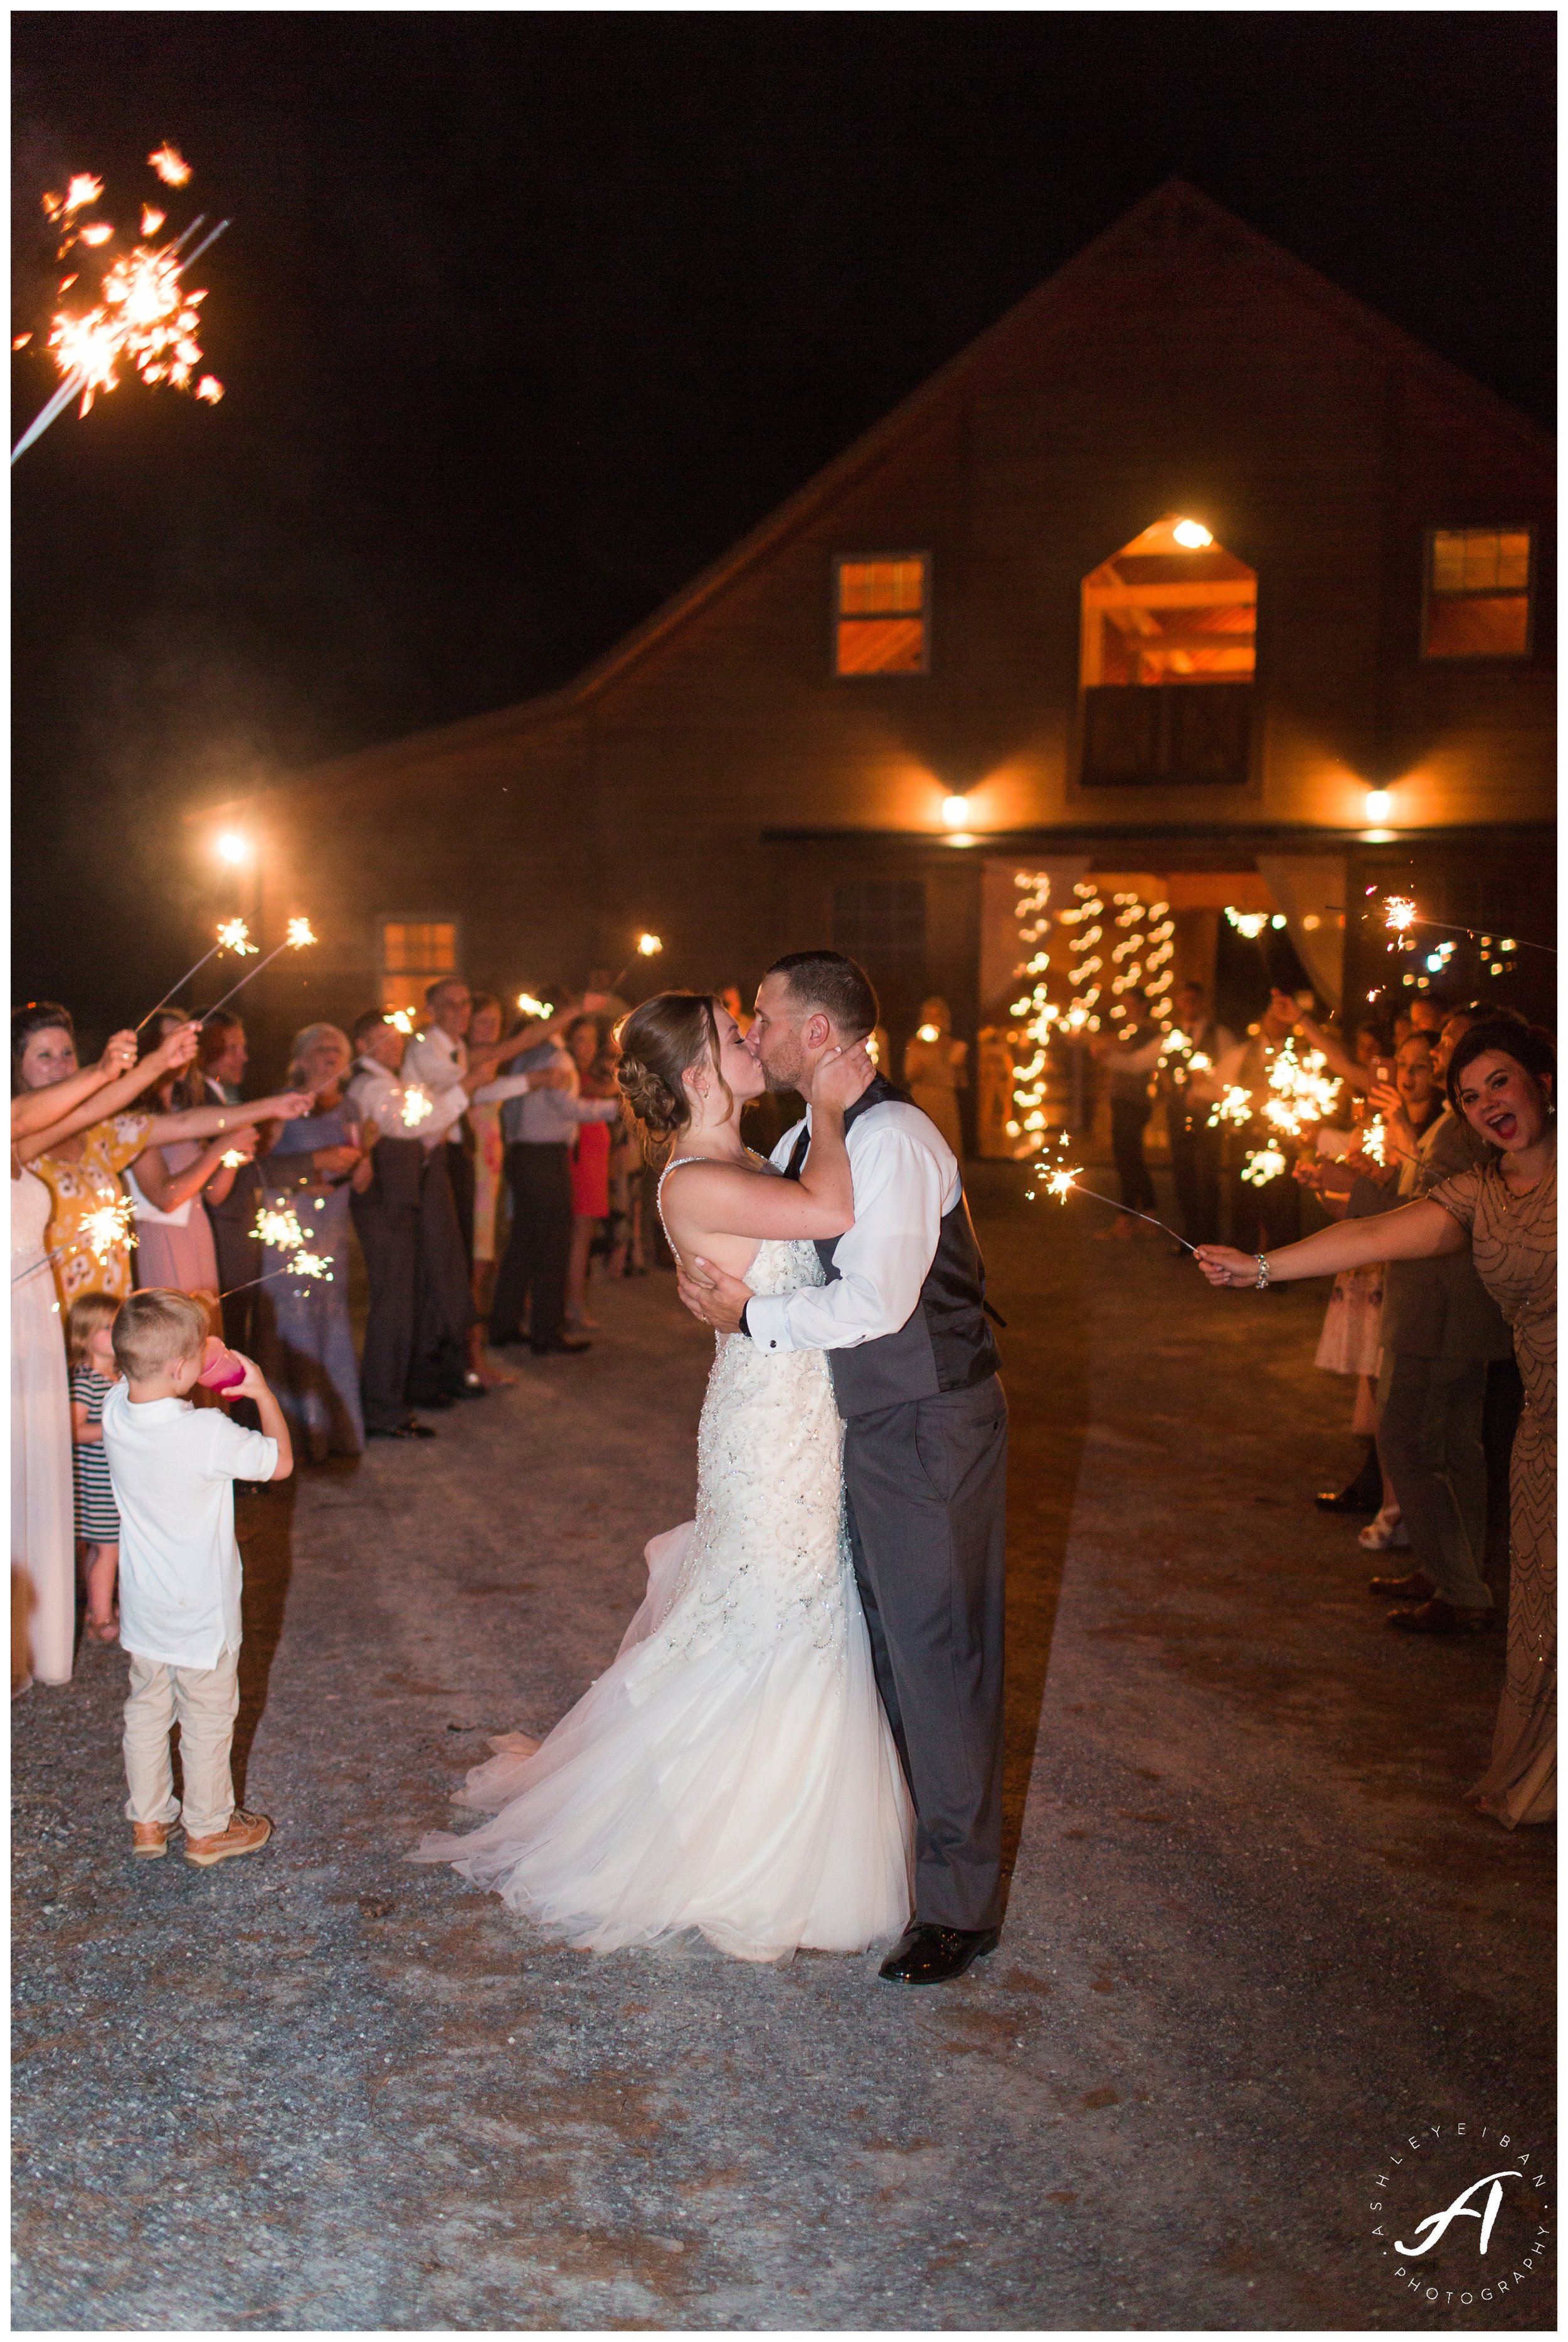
(733, 1771)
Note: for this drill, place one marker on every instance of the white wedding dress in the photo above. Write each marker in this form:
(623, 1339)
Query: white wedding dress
(733, 1772)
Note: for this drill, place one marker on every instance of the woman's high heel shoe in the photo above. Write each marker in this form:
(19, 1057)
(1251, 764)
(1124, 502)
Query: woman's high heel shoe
(1387, 1529)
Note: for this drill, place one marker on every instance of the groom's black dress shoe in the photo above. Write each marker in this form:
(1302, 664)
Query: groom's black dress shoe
(927, 1954)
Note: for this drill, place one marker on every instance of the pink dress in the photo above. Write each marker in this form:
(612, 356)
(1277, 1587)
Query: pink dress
(177, 1250)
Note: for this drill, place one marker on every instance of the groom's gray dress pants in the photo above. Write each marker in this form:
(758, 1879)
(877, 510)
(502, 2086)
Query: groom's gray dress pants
(926, 1488)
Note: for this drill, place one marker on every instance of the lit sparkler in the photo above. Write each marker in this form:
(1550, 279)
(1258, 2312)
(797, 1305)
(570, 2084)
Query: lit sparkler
(529, 1007)
(928, 1033)
(1234, 1105)
(401, 1020)
(1062, 1182)
(1399, 912)
(278, 1228)
(310, 1265)
(1374, 1142)
(234, 1159)
(144, 316)
(418, 1105)
(297, 937)
(233, 936)
(111, 1228)
(170, 165)
(1264, 1162)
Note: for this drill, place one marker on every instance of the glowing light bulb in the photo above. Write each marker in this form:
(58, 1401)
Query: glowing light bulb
(1378, 804)
(1193, 535)
(956, 813)
(648, 945)
(233, 849)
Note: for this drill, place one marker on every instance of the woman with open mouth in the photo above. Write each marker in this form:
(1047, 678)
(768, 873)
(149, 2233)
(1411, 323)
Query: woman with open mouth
(1502, 1078)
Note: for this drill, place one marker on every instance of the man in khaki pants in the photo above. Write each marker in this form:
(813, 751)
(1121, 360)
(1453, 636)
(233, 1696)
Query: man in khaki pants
(173, 1467)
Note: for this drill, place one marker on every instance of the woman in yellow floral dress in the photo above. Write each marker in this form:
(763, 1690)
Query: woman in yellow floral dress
(83, 1174)
(1502, 1078)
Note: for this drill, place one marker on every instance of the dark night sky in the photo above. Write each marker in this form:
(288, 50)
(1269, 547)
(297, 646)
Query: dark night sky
(523, 318)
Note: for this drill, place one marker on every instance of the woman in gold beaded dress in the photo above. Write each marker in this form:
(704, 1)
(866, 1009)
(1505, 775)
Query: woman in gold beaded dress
(1502, 1078)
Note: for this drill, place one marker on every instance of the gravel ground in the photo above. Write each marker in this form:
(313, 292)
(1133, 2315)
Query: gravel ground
(1255, 1936)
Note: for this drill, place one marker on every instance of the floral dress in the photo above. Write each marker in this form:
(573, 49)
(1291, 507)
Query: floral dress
(80, 1188)
(1513, 1244)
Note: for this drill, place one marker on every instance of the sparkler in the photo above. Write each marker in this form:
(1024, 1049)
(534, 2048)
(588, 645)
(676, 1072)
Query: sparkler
(278, 1228)
(1234, 1105)
(111, 1228)
(1064, 1181)
(1263, 1164)
(234, 1159)
(309, 1266)
(417, 1106)
(144, 316)
(529, 1007)
(1401, 913)
(233, 936)
(297, 939)
(400, 1020)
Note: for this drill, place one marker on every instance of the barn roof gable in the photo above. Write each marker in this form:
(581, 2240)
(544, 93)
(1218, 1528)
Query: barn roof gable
(1169, 209)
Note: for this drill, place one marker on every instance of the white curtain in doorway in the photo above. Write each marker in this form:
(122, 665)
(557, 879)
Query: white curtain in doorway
(1309, 890)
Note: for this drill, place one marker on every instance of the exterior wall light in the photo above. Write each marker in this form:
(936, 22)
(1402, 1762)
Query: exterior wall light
(1193, 535)
(956, 813)
(233, 849)
(1378, 806)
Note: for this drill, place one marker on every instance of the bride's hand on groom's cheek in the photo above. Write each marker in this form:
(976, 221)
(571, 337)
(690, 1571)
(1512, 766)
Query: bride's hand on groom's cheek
(841, 1076)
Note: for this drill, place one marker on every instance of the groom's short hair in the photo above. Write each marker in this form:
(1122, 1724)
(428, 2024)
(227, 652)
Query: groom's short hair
(834, 983)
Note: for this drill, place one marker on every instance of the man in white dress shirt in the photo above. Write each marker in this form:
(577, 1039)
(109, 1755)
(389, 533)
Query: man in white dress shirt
(902, 1319)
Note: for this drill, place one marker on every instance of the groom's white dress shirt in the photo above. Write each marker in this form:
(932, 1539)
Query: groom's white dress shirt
(906, 1180)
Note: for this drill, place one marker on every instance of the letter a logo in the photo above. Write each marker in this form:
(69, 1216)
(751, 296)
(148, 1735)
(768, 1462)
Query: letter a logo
(1461, 2209)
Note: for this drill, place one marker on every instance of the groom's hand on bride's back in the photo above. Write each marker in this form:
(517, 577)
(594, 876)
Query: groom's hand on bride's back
(711, 1294)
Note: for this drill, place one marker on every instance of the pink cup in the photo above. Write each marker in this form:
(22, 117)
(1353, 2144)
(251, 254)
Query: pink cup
(221, 1370)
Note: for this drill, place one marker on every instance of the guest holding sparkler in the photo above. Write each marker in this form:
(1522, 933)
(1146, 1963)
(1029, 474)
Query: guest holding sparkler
(1501, 1080)
(221, 1057)
(169, 1184)
(386, 1219)
(310, 1169)
(1132, 1055)
(1273, 1209)
(80, 1159)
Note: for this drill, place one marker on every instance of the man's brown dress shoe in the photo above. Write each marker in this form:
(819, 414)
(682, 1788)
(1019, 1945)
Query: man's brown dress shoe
(1416, 1587)
(1440, 1617)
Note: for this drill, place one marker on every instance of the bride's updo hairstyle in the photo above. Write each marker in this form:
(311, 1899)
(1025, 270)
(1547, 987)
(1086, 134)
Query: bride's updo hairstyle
(665, 1038)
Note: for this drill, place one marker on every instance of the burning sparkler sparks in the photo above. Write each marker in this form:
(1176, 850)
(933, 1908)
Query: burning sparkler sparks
(170, 165)
(417, 1106)
(278, 1230)
(111, 1228)
(310, 1265)
(233, 936)
(144, 316)
(1060, 1182)
(529, 1007)
(1399, 912)
(234, 1159)
(1264, 1162)
(296, 938)
(1374, 1142)
(1234, 1105)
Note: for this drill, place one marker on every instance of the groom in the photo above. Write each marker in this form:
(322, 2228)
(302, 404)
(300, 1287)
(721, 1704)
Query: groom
(903, 1320)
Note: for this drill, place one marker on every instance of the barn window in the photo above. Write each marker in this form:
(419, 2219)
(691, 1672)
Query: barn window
(1168, 648)
(1477, 593)
(415, 953)
(879, 614)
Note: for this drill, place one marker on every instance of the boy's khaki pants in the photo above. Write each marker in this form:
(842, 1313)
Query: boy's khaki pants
(204, 1702)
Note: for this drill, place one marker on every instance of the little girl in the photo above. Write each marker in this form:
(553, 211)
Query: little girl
(89, 1327)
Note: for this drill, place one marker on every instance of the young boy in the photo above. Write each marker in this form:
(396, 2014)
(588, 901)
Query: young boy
(173, 1467)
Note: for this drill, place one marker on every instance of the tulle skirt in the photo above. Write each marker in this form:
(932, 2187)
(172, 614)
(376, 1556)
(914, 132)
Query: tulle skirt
(744, 1787)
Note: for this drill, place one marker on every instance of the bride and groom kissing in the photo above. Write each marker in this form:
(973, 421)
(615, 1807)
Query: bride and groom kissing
(798, 1746)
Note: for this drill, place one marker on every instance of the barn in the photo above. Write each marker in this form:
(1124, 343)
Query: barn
(1193, 579)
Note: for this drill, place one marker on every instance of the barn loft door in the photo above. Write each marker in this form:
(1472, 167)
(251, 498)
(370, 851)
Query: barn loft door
(1168, 650)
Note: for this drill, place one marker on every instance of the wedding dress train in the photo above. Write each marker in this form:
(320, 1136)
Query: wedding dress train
(733, 1771)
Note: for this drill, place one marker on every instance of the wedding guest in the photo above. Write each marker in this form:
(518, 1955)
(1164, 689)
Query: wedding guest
(54, 1100)
(539, 1130)
(628, 1252)
(1272, 1210)
(440, 1058)
(169, 1184)
(1503, 1080)
(307, 1343)
(221, 1056)
(1187, 1080)
(173, 1467)
(589, 1046)
(487, 1155)
(1131, 1055)
(935, 1068)
(386, 1216)
(1440, 1330)
(90, 1348)
(82, 1169)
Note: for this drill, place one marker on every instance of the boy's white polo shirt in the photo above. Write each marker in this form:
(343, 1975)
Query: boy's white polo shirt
(174, 1467)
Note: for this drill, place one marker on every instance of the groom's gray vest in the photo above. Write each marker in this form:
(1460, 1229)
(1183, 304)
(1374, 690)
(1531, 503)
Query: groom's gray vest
(946, 1344)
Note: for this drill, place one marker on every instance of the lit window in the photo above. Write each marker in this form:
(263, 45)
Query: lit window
(880, 615)
(415, 953)
(1478, 594)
